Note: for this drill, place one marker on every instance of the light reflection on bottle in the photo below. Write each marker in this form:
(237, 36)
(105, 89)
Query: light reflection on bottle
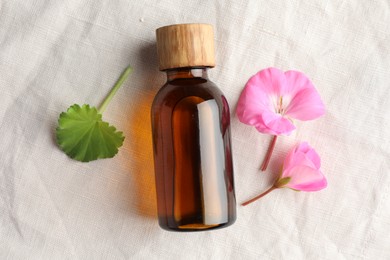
(212, 157)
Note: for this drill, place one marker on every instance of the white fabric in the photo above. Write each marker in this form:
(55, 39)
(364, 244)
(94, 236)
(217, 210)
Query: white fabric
(57, 53)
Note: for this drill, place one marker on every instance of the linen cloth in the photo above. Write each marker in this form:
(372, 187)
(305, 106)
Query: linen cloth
(57, 53)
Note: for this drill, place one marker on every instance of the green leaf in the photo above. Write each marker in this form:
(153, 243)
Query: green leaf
(83, 136)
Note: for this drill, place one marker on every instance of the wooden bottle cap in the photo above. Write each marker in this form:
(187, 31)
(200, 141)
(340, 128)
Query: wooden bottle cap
(185, 45)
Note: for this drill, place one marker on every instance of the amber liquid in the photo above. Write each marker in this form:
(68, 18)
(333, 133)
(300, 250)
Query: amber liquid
(192, 154)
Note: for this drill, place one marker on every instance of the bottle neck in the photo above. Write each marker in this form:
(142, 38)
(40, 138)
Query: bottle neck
(187, 73)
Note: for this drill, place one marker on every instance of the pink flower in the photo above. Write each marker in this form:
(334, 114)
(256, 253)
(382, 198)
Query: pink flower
(301, 172)
(272, 98)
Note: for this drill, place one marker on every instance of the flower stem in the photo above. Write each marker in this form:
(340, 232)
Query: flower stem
(125, 74)
(259, 196)
(269, 153)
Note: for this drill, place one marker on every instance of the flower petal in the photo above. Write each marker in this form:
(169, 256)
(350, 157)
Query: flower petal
(305, 178)
(302, 154)
(296, 81)
(297, 159)
(319, 185)
(310, 153)
(303, 147)
(252, 102)
(258, 101)
(276, 124)
(271, 80)
(305, 103)
(313, 156)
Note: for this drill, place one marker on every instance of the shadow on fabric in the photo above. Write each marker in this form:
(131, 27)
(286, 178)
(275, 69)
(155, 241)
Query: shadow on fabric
(139, 133)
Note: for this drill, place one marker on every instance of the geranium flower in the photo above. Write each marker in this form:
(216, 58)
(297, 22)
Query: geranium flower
(301, 172)
(272, 98)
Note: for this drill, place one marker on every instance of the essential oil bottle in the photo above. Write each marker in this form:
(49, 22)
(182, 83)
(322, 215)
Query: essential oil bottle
(191, 134)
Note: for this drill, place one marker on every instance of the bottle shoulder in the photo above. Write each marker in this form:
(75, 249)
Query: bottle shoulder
(173, 91)
(176, 90)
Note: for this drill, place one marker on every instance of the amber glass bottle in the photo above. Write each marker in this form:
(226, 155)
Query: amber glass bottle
(191, 135)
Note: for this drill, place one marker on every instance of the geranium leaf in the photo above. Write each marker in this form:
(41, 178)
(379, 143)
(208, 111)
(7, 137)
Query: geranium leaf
(84, 136)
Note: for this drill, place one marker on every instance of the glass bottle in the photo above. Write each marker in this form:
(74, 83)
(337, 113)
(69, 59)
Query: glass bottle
(191, 135)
